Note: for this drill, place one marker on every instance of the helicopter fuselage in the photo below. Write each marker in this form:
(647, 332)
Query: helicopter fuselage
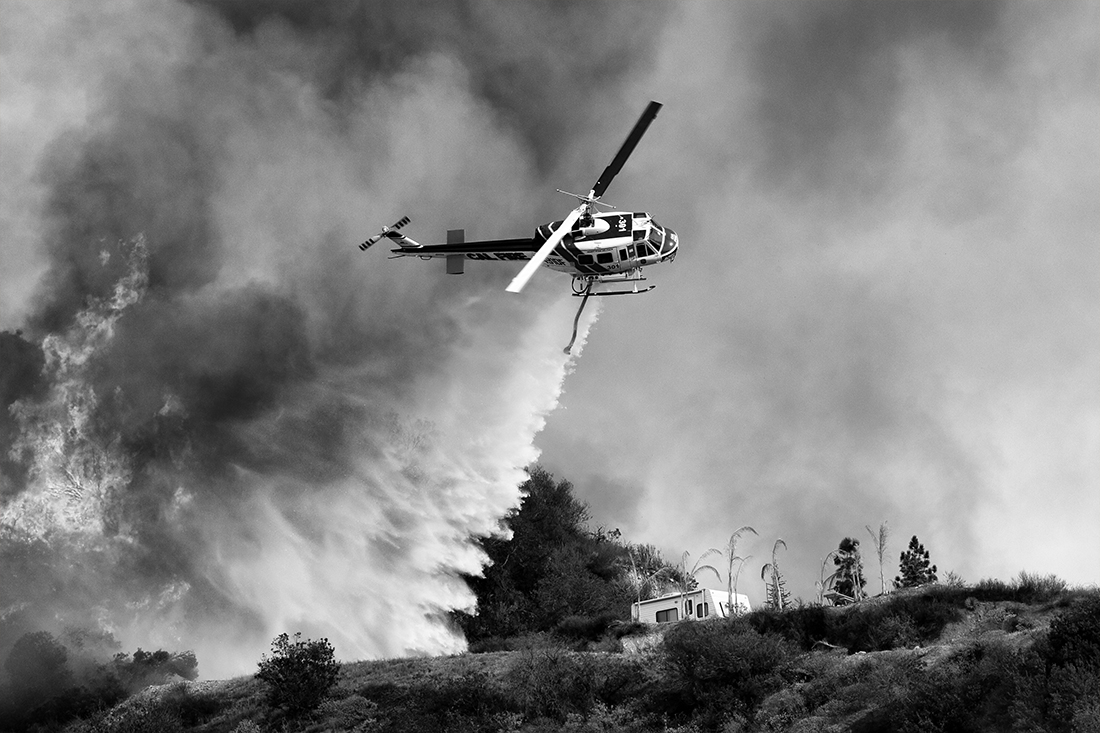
(607, 244)
(610, 243)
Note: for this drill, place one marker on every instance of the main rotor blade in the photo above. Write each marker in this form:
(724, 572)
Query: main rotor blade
(628, 147)
(520, 280)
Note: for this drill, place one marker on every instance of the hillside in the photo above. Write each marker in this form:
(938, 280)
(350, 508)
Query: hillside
(991, 657)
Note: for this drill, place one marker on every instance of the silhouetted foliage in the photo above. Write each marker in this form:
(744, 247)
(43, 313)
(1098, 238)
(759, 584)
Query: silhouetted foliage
(896, 621)
(848, 578)
(1075, 634)
(468, 702)
(154, 668)
(551, 569)
(584, 628)
(916, 567)
(299, 674)
(990, 685)
(718, 669)
(803, 626)
(173, 710)
(52, 680)
(37, 666)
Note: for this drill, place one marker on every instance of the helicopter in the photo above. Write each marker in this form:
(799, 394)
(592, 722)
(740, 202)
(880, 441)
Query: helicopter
(604, 251)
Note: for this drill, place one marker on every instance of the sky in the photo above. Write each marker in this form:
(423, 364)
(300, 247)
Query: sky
(884, 308)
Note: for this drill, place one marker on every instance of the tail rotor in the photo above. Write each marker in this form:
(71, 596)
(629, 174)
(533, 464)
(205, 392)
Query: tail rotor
(387, 232)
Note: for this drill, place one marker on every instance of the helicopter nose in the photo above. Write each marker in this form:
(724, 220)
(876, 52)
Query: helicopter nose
(672, 244)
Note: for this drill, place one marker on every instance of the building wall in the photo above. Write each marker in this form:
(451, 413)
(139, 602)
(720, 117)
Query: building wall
(714, 606)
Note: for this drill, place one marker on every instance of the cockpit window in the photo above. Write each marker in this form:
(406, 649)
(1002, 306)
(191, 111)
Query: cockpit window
(670, 241)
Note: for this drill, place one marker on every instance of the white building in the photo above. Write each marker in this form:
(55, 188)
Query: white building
(695, 604)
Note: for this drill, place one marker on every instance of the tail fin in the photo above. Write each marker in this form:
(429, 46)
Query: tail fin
(390, 232)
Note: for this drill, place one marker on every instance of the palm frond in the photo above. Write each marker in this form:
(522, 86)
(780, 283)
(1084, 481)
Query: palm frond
(717, 575)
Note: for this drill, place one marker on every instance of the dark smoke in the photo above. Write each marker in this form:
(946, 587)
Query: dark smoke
(105, 190)
(223, 424)
(21, 378)
(541, 66)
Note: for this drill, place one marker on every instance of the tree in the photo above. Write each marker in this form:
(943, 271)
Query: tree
(879, 541)
(916, 568)
(776, 595)
(649, 572)
(299, 674)
(731, 578)
(554, 567)
(38, 668)
(849, 580)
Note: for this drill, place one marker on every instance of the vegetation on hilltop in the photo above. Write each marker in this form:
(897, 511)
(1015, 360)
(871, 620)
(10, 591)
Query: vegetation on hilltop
(554, 574)
(995, 656)
(995, 664)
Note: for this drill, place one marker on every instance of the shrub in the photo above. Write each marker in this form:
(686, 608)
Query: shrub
(191, 708)
(1027, 588)
(721, 668)
(903, 620)
(937, 699)
(623, 629)
(469, 697)
(992, 589)
(153, 668)
(299, 674)
(514, 643)
(150, 715)
(844, 685)
(557, 686)
(586, 628)
(347, 714)
(552, 683)
(1075, 634)
(1035, 588)
(53, 681)
(165, 711)
(780, 711)
(803, 626)
(472, 701)
(247, 726)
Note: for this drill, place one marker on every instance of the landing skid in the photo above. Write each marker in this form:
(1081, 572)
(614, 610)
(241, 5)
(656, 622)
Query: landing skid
(584, 286)
(634, 291)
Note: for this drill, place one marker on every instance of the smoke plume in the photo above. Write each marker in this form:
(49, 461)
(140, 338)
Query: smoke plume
(224, 422)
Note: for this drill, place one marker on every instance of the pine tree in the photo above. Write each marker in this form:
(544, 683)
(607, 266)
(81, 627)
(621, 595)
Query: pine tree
(848, 579)
(916, 568)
